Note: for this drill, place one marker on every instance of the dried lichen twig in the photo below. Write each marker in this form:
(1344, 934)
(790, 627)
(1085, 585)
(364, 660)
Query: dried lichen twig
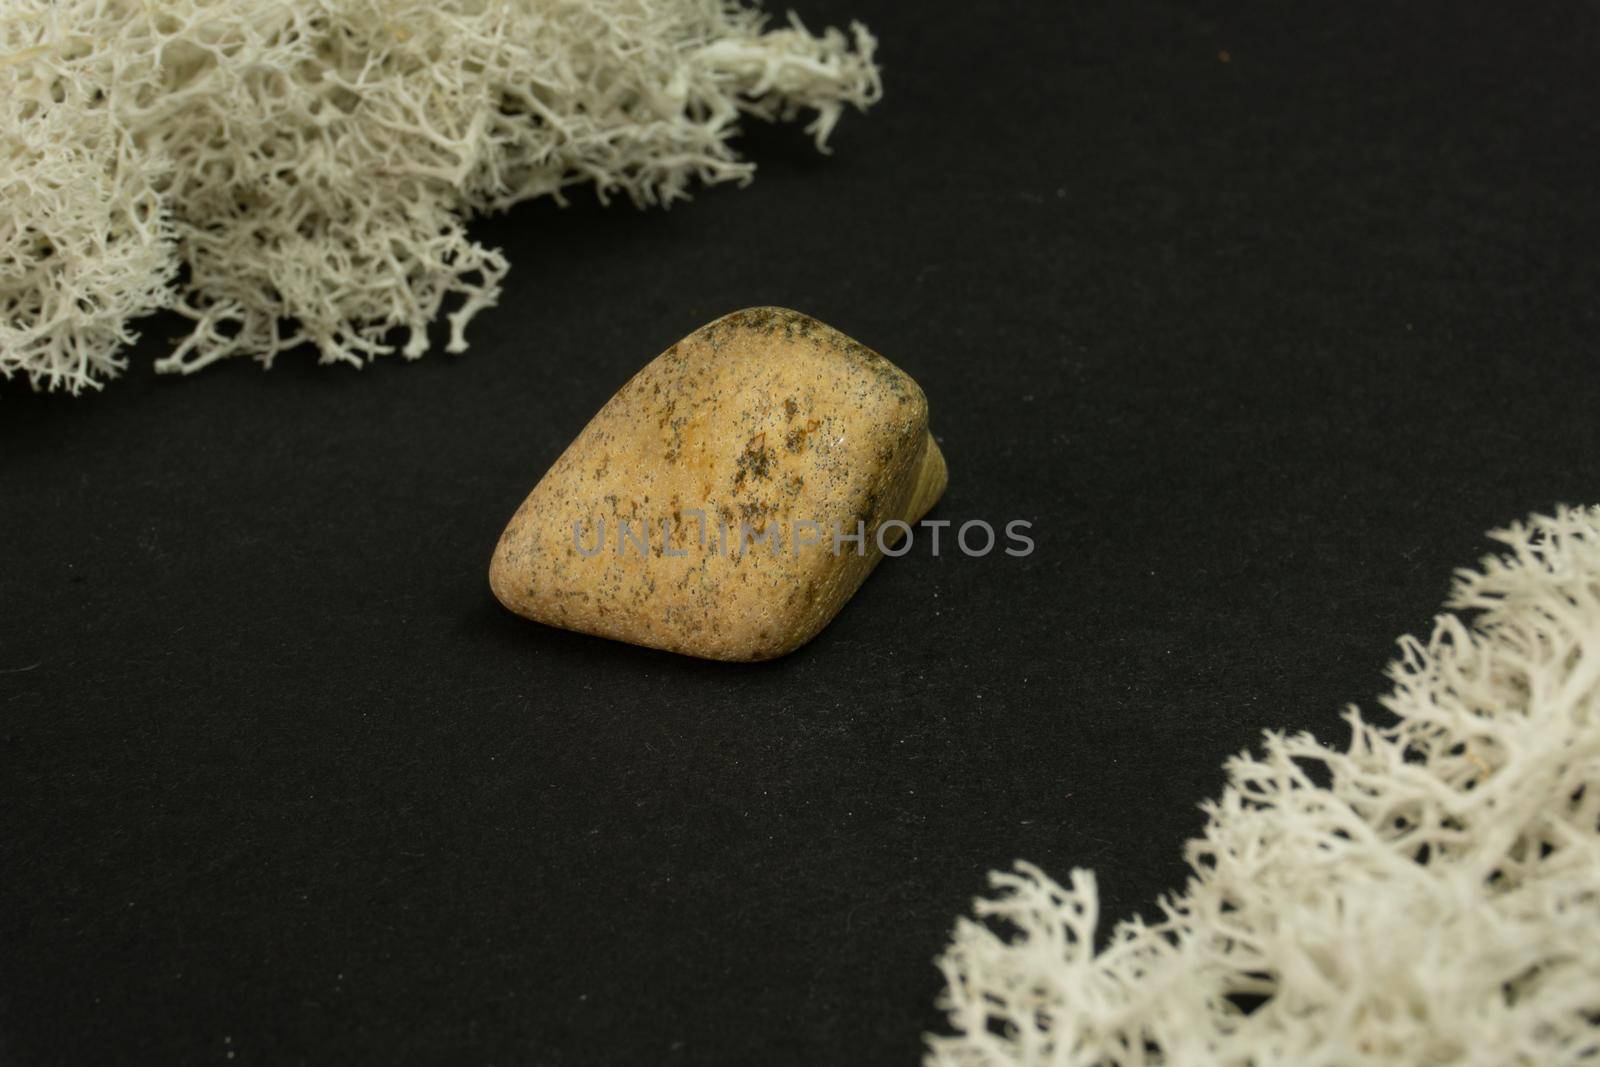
(1429, 894)
(300, 172)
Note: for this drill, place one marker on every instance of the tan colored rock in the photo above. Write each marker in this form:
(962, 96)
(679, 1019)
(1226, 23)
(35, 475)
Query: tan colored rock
(765, 421)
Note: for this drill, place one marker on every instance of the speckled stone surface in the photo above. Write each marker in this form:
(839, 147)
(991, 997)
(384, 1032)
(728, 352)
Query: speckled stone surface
(765, 421)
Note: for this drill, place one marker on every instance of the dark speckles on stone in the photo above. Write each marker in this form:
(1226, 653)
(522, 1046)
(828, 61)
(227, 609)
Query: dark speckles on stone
(869, 509)
(762, 320)
(755, 463)
(795, 440)
(753, 513)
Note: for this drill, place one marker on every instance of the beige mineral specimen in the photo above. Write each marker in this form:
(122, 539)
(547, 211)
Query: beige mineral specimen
(728, 500)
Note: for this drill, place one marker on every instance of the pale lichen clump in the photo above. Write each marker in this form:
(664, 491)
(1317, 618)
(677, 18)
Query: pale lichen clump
(1429, 894)
(287, 173)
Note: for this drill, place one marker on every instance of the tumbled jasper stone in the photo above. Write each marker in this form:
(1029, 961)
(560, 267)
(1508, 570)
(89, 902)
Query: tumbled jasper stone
(681, 517)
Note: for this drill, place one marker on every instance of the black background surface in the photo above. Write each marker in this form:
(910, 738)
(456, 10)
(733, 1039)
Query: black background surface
(1261, 347)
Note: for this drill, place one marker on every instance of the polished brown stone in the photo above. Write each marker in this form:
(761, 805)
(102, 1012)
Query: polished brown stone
(706, 472)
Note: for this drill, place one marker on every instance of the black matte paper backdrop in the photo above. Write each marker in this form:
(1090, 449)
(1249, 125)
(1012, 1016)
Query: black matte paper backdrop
(1261, 313)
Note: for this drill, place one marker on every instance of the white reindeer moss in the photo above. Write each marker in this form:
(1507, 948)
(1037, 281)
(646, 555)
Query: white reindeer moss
(287, 172)
(1429, 894)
